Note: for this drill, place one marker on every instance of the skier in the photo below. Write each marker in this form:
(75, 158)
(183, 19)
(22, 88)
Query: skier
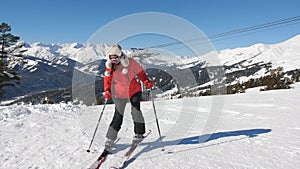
(121, 84)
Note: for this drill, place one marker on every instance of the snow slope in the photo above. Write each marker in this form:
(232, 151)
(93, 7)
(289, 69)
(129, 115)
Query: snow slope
(255, 130)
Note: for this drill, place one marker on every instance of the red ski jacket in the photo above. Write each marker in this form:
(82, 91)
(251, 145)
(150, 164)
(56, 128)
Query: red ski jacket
(121, 80)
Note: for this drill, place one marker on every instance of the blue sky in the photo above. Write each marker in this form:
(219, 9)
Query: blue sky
(68, 21)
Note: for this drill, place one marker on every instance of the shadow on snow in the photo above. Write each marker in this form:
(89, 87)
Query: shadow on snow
(207, 137)
(250, 133)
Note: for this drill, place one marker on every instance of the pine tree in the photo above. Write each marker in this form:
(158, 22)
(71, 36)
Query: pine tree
(9, 50)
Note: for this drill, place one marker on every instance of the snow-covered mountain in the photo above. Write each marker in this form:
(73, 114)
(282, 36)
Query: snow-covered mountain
(51, 67)
(285, 54)
(281, 54)
(82, 53)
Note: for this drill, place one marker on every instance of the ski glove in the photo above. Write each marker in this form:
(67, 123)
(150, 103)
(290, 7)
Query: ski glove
(107, 94)
(148, 83)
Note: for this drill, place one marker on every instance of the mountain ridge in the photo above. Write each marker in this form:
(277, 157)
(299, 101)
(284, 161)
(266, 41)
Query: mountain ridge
(41, 61)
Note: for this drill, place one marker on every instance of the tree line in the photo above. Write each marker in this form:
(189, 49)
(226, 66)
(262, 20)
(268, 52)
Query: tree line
(11, 50)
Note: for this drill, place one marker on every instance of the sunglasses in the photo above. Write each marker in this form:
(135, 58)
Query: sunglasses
(115, 60)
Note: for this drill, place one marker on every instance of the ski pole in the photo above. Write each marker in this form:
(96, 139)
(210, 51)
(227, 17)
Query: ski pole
(88, 150)
(157, 124)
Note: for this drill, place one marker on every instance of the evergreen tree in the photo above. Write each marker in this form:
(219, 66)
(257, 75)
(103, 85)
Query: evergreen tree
(9, 50)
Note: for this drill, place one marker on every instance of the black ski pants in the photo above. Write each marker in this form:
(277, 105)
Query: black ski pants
(137, 116)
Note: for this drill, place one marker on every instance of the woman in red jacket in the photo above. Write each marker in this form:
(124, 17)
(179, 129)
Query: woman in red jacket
(120, 83)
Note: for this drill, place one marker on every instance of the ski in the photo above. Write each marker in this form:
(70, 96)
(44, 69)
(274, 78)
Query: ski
(128, 154)
(101, 158)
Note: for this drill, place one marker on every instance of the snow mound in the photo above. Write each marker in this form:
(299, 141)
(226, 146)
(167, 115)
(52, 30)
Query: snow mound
(14, 112)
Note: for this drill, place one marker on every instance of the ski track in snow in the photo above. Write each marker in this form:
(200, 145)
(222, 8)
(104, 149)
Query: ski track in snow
(255, 130)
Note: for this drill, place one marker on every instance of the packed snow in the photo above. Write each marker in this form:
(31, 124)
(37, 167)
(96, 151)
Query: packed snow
(253, 130)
